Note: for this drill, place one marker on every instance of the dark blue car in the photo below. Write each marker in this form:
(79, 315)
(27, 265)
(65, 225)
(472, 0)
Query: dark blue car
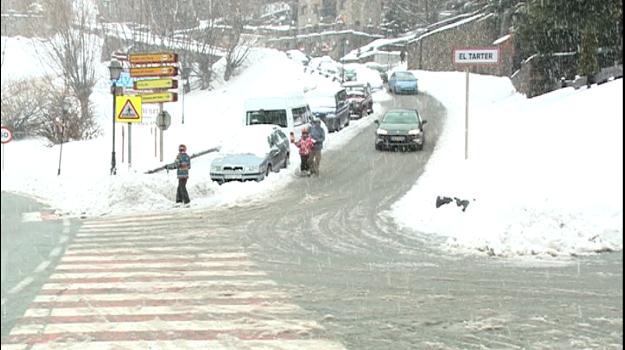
(402, 82)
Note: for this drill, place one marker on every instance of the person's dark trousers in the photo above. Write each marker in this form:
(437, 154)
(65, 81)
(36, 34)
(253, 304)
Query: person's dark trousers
(182, 196)
(304, 164)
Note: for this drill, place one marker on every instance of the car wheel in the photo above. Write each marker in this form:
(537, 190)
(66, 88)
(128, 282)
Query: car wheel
(378, 147)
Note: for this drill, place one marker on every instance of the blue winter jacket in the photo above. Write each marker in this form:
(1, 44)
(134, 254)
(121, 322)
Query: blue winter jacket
(318, 135)
(183, 164)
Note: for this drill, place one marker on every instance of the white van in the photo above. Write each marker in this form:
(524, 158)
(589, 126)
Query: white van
(290, 112)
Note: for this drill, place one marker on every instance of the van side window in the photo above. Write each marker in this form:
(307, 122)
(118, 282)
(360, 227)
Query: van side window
(300, 116)
(341, 97)
(276, 117)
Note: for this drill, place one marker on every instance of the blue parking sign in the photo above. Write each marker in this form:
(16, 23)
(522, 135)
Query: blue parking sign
(124, 80)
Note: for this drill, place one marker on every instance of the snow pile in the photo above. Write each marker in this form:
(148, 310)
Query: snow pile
(543, 176)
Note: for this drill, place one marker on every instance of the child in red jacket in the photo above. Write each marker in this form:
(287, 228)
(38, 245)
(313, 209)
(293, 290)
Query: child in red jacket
(305, 145)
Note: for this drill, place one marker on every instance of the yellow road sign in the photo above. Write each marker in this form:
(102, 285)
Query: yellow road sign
(159, 97)
(155, 84)
(128, 109)
(164, 71)
(162, 57)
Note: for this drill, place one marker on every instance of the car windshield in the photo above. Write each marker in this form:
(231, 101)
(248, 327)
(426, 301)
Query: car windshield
(400, 118)
(275, 117)
(355, 89)
(355, 94)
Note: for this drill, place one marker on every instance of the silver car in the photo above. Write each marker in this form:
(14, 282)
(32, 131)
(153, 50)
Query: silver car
(252, 154)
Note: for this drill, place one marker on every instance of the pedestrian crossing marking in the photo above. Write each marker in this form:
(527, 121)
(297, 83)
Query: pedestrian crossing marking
(166, 297)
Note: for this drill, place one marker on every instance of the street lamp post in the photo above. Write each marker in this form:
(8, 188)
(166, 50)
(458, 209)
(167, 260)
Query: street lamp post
(186, 73)
(115, 69)
(64, 110)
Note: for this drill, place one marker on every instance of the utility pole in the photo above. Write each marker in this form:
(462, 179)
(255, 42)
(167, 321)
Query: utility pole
(295, 21)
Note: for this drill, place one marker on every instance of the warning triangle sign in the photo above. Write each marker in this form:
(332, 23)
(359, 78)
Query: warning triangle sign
(128, 109)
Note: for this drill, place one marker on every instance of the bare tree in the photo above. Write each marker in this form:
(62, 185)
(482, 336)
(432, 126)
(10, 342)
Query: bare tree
(237, 46)
(23, 103)
(72, 49)
(33, 107)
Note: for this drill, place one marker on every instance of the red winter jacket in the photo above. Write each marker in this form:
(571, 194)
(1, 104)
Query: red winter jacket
(304, 145)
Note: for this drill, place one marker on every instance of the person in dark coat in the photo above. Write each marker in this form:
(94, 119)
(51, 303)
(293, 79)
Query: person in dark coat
(182, 164)
(318, 135)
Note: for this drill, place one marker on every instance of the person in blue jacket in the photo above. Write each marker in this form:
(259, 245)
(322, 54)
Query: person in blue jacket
(318, 135)
(182, 164)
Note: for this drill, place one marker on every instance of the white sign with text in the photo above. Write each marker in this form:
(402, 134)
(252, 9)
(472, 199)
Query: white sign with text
(476, 55)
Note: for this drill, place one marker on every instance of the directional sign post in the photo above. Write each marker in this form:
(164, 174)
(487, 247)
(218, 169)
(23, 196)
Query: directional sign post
(155, 90)
(472, 56)
(149, 84)
(146, 58)
(159, 97)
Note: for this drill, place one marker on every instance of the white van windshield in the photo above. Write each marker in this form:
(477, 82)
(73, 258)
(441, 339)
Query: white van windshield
(276, 117)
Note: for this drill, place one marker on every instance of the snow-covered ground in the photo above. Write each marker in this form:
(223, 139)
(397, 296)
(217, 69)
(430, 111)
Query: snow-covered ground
(544, 175)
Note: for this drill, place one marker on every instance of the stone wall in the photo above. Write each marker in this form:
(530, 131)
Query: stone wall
(24, 24)
(434, 50)
(335, 44)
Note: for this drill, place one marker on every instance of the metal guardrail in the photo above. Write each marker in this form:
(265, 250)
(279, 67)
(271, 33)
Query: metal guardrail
(194, 155)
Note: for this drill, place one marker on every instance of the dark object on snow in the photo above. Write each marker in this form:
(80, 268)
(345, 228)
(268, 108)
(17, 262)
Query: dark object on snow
(171, 166)
(440, 201)
(462, 203)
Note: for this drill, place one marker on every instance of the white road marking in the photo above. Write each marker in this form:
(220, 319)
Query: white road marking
(198, 295)
(243, 324)
(97, 275)
(264, 308)
(230, 344)
(95, 267)
(135, 254)
(160, 284)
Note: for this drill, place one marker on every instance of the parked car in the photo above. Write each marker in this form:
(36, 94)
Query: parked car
(349, 74)
(298, 56)
(359, 98)
(290, 112)
(251, 154)
(380, 68)
(400, 128)
(402, 82)
(331, 106)
(327, 67)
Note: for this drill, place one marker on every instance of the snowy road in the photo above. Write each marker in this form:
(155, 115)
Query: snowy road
(315, 267)
(378, 287)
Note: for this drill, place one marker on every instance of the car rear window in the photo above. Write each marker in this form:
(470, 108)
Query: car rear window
(405, 76)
